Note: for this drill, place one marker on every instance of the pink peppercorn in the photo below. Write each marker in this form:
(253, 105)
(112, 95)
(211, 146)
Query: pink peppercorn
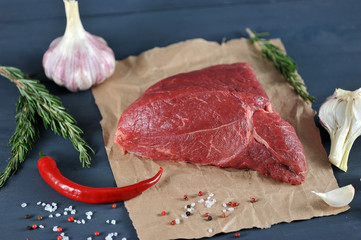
(237, 234)
(163, 213)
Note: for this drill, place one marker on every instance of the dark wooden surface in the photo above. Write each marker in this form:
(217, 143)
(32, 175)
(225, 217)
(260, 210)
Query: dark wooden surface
(322, 36)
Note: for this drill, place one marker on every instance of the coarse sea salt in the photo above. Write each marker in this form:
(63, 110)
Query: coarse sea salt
(177, 221)
(89, 238)
(41, 226)
(230, 209)
(55, 228)
(201, 200)
(210, 230)
(57, 215)
(113, 222)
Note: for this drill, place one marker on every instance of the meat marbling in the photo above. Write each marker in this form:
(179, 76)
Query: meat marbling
(219, 116)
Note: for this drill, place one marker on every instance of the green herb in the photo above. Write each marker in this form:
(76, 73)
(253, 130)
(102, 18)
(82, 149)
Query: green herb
(35, 100)
(282, 62)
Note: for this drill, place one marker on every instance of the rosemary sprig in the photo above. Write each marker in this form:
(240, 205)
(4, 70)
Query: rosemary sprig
(35, 99)
(282, 62)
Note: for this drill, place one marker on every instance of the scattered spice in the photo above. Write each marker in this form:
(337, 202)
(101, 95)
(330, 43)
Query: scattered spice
(59, 237)
(27, 216)
(29, 227)
(200, 193)
(223, 215)
(230, 203)
(59, 229)
(172, 222)
(188, 213)
(253, 200)
(235, 204)
(209, 218)
(114, 205)
(237, 234)
(40, 218)
(96, 233)
(34, 226)
(163, 213)
(70, 219)
(185, 197)
(207, 214)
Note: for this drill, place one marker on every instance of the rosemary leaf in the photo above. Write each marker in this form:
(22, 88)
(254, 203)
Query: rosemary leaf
(36, 99)
(282, 62)
(25, 135)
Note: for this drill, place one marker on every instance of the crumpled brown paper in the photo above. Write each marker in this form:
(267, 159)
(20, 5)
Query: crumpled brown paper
(276, 201)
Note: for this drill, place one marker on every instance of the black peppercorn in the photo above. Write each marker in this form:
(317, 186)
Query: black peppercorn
(29, 227)
(188, 206)
(209, 218)
(188, 213)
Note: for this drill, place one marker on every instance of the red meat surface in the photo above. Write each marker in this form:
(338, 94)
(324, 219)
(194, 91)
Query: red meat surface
(219, 116)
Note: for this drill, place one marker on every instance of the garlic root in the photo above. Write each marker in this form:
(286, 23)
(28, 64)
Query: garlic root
(340, 115)
(339, 197)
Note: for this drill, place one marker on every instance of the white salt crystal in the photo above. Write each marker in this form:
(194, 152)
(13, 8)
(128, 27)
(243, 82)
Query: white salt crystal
(41, 226)
(210, 230)
(89, 213)
(55, 228)
(57, 215)
(184, 215)
(211, 194)
(24, 205)
(88, 217)
(83, 221)
(230, 209)
(70, 207)
(107, 221)
(224, 204)
(124, 238)
(65, 213)
(224, 210)
(53, 203)
(73, 211)
(89, 238)
(113, 222)
(193, 204)
(51, 216)
(43, 204)
(201, 200)
(115, 234)
(62, 234)
(177, 221)
(38, 203)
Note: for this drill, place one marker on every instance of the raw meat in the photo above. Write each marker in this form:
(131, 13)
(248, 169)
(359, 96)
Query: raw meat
(219, 116)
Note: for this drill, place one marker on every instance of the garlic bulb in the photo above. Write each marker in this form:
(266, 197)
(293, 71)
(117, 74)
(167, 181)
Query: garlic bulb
(340, 114)
(78, 59)
(339, 197)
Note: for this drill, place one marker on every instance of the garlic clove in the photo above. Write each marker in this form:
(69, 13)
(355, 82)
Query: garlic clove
(340, 114)
(339, 197)
(78, 60)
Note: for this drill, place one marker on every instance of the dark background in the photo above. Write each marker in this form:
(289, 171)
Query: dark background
(322, 36)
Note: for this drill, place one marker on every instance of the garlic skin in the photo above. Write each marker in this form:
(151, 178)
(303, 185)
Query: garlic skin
(78, 60)
(340, 115)
(339, 197)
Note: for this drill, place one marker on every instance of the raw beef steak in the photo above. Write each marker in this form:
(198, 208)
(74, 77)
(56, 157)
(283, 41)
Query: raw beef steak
(219, 116)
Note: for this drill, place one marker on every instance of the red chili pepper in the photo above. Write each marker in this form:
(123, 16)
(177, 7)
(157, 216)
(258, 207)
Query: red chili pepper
(51, 174)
